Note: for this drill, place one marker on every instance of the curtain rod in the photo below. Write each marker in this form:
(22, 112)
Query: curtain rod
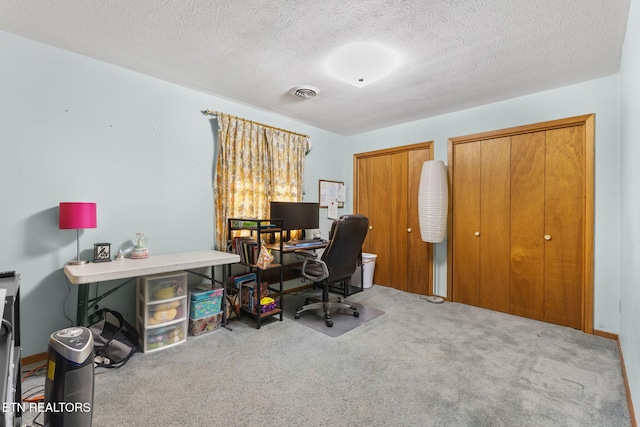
(214, 113)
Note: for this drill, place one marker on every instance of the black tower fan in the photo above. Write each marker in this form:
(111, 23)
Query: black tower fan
(68, 392)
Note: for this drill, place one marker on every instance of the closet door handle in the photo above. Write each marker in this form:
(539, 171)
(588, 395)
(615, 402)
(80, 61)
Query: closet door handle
(408, 230)
(477, 234)
(547, 237)
(371, 227)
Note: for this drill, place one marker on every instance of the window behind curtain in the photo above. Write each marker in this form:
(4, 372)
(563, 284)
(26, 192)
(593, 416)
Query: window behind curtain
(256, 164)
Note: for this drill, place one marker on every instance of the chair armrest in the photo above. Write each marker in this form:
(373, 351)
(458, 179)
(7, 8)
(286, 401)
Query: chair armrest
(325, 270)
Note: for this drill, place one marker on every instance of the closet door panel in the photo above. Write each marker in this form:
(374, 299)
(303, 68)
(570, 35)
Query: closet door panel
(366, 196)
(419, 252)
(526, 295)
(398, 221)
(549, 226)
(494, 216)
(564, 226)
(373, 201)
(466, 223)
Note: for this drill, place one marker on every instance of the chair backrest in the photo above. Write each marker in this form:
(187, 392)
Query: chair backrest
(345, 245)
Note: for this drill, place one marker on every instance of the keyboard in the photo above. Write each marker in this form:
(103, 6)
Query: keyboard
(305, 242)
(297, 242)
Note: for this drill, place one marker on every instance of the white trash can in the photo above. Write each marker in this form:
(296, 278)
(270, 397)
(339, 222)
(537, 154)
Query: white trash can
(368, 265)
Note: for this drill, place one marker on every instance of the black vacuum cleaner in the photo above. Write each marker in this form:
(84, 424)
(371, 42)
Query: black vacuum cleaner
(68, 389)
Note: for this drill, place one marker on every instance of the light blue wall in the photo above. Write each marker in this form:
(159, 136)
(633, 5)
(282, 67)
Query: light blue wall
(76, 129)
(630, 197)
(597, 96)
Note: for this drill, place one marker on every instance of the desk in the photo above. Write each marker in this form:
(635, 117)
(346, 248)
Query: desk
(287, 267)
(345, 288)
(83, 275)
(292, 248)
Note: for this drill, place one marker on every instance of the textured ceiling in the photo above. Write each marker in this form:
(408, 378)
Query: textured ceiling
(455, 54)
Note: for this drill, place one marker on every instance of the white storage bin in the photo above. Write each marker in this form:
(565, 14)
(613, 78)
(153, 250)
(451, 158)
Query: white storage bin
(157, 338)
(162, 310)
(162, 286)
(165, 311)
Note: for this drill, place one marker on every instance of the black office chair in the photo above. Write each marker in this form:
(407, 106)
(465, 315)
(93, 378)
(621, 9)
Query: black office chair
(337, 264)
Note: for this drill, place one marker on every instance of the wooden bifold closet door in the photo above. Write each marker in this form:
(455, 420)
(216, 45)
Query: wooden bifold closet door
(386, 191)
(521, 237)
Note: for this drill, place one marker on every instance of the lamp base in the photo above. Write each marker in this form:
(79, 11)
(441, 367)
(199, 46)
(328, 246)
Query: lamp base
(434, 299)
(78, 262)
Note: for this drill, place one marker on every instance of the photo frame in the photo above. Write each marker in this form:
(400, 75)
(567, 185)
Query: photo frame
(101, 252)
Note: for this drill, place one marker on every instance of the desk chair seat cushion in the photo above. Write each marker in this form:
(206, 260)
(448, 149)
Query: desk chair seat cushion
(337, 263)
(314, 270)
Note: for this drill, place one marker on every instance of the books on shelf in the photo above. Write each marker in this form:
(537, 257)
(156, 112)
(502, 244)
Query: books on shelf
(246, 284)
(239, 280)
(249, 295)
(247, 248)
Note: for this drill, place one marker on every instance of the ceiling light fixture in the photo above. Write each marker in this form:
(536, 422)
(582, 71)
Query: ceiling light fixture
(362, 63)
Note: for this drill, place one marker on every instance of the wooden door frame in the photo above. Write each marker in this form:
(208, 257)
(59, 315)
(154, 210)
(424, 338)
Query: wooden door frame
(588, 121)
(383, 152)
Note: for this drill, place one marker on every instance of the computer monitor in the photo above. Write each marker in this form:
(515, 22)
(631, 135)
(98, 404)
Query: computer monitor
(296, 215)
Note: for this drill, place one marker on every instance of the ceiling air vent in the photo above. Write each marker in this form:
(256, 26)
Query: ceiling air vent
(306, 92)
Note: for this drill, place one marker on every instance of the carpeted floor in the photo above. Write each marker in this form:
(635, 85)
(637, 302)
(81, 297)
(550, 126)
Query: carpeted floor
(419, 364)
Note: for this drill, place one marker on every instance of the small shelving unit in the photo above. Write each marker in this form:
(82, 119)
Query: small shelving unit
(248, 249)
(162, 310)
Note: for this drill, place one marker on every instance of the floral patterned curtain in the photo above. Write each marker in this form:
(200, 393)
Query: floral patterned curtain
(256, 164)
(287, 161)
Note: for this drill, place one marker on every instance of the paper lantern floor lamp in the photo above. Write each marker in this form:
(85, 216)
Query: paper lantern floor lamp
(433, 204)
(77, 215)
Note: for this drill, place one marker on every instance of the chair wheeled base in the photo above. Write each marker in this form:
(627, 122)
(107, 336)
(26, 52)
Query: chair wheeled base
(333, 304)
